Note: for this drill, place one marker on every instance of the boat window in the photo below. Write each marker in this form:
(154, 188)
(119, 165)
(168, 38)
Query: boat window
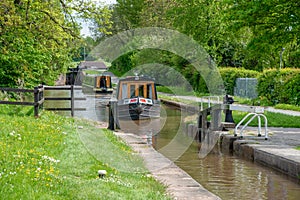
(141, 90)
(132, 90)
(149, 91)
(102, 82)
(124, 90)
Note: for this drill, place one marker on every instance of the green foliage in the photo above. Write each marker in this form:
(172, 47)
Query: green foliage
(123, 64)
(229, 76)
(38, 39)
(249, 34)
(273, 25)
(280, 86)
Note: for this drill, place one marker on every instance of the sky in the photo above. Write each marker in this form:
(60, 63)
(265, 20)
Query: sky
(85, 26)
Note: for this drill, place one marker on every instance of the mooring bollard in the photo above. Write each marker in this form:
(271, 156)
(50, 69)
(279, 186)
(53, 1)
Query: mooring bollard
(228, 112)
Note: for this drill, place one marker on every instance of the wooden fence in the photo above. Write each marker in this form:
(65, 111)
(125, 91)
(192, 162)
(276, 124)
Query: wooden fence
(39, 98)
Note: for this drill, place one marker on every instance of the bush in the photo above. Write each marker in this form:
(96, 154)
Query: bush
(280, 86)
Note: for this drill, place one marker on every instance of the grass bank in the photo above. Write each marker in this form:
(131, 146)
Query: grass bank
(54, 157)
(274, 119)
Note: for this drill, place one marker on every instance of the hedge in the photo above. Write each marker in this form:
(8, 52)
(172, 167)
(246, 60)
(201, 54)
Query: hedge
(274, 85)
(280, 86)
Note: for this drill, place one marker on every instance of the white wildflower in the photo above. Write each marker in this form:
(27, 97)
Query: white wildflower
(12, 133)
(50, 159)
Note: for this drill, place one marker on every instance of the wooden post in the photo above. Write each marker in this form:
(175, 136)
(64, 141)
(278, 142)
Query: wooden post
(204, 125)
(116, 114)
(215, 123)
(111, 123)
(41, 96)
(72, 100)
(36, 101)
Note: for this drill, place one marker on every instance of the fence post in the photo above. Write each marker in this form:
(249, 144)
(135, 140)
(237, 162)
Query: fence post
(41, 95)
(36, 101)
(72, 100)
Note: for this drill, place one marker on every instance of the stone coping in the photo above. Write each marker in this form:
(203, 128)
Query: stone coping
(180, 185)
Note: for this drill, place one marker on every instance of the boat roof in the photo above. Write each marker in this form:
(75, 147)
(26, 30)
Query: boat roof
(137, 78)
(97, 75)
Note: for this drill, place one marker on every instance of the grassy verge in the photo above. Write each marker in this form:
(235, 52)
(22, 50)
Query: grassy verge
(51, 158)
(274, 119)
(173, 98)
(298, 148)
(174, 90)
(287, 107)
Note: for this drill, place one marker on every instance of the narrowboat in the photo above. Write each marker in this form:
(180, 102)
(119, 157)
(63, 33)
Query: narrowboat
(98, 83)
(137, 98)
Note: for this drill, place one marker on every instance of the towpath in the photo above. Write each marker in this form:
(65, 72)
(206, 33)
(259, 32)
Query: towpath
(213, 100)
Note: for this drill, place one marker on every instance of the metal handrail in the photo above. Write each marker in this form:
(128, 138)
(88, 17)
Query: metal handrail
(209, 99)
(258, 115)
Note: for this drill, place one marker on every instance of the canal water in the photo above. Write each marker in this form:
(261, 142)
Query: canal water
(224, 175)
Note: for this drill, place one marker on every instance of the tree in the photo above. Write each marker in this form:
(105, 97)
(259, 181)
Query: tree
(273, 24)
(38, 39)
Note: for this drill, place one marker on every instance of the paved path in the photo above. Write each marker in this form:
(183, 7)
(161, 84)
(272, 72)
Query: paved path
(180, 185)
(281, 136)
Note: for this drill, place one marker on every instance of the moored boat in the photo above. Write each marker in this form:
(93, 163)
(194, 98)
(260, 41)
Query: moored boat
(98, 83)
(137, 98)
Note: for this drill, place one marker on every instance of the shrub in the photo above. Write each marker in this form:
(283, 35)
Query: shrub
(280, 86)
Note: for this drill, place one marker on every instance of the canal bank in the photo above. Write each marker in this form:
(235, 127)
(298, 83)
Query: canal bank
(278, 152)
(180, 185)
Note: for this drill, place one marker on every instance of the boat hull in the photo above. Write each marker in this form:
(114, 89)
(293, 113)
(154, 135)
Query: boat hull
(137, 111)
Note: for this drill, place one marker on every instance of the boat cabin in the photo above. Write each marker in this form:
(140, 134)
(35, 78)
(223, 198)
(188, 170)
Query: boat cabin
(136, 87)
(137, 99)
(98, 83)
